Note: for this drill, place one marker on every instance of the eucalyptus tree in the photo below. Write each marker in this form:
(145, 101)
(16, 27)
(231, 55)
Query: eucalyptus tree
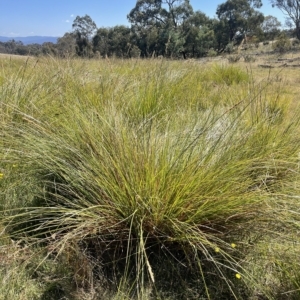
(84, 28)
(66, 45)
(270, 27)
(113, 41)
(240, 16)
(49, 48)
(160, 13)
(291, 9)
(120, 37)
(199, 34)
(158, 25)
(11, 45)
(101, 41)
(221, 34)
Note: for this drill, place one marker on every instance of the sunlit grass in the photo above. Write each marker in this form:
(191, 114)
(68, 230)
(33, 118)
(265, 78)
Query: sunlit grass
(150, 179)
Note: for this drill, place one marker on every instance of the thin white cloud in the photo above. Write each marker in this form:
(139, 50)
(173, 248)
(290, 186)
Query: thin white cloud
(67, 21)
(72, 16)
(14, 33)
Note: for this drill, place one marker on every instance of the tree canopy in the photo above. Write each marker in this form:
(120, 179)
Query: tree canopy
(291, 9)
(84, 26)
(270, 27)
(83, 29)
(240, 15)
(170, 28)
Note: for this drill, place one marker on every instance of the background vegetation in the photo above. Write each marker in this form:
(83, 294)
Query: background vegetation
(169, 28)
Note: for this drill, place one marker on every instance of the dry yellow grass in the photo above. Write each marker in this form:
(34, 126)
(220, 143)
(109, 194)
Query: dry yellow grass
(13, 56)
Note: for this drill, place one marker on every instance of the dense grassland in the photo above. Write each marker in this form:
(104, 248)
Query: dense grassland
(145, 179)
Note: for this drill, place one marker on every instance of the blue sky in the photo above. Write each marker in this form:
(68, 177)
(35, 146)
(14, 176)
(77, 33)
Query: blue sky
(55, 17)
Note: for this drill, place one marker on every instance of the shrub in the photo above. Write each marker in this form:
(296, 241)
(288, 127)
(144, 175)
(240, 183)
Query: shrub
(212, 53)
(249, 58)
(282, 44)
(234, 58)
(229, 48)
(295, 43)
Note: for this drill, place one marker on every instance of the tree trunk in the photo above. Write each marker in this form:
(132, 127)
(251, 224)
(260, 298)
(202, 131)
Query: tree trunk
(183, 54)
(298, 30)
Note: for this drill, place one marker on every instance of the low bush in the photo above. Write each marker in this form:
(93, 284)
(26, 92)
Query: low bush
(229, 48)
(212, 53)
(234, 58)
(282, 44)
(249, 58)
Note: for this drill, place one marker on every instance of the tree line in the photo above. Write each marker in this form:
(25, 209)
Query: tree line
(169, 28)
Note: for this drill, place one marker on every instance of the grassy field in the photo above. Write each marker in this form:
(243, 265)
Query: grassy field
(149, 179)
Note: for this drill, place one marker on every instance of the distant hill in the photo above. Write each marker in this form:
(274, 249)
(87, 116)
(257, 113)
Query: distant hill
(30, 39)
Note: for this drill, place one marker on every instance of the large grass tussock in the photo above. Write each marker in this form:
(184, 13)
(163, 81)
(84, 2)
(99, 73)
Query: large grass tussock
(149, 180)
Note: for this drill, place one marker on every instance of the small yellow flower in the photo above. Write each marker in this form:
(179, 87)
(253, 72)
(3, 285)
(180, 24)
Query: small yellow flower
(1, 175)
(217, 249)
(238, 276)
(14, 165)
(233, 245)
